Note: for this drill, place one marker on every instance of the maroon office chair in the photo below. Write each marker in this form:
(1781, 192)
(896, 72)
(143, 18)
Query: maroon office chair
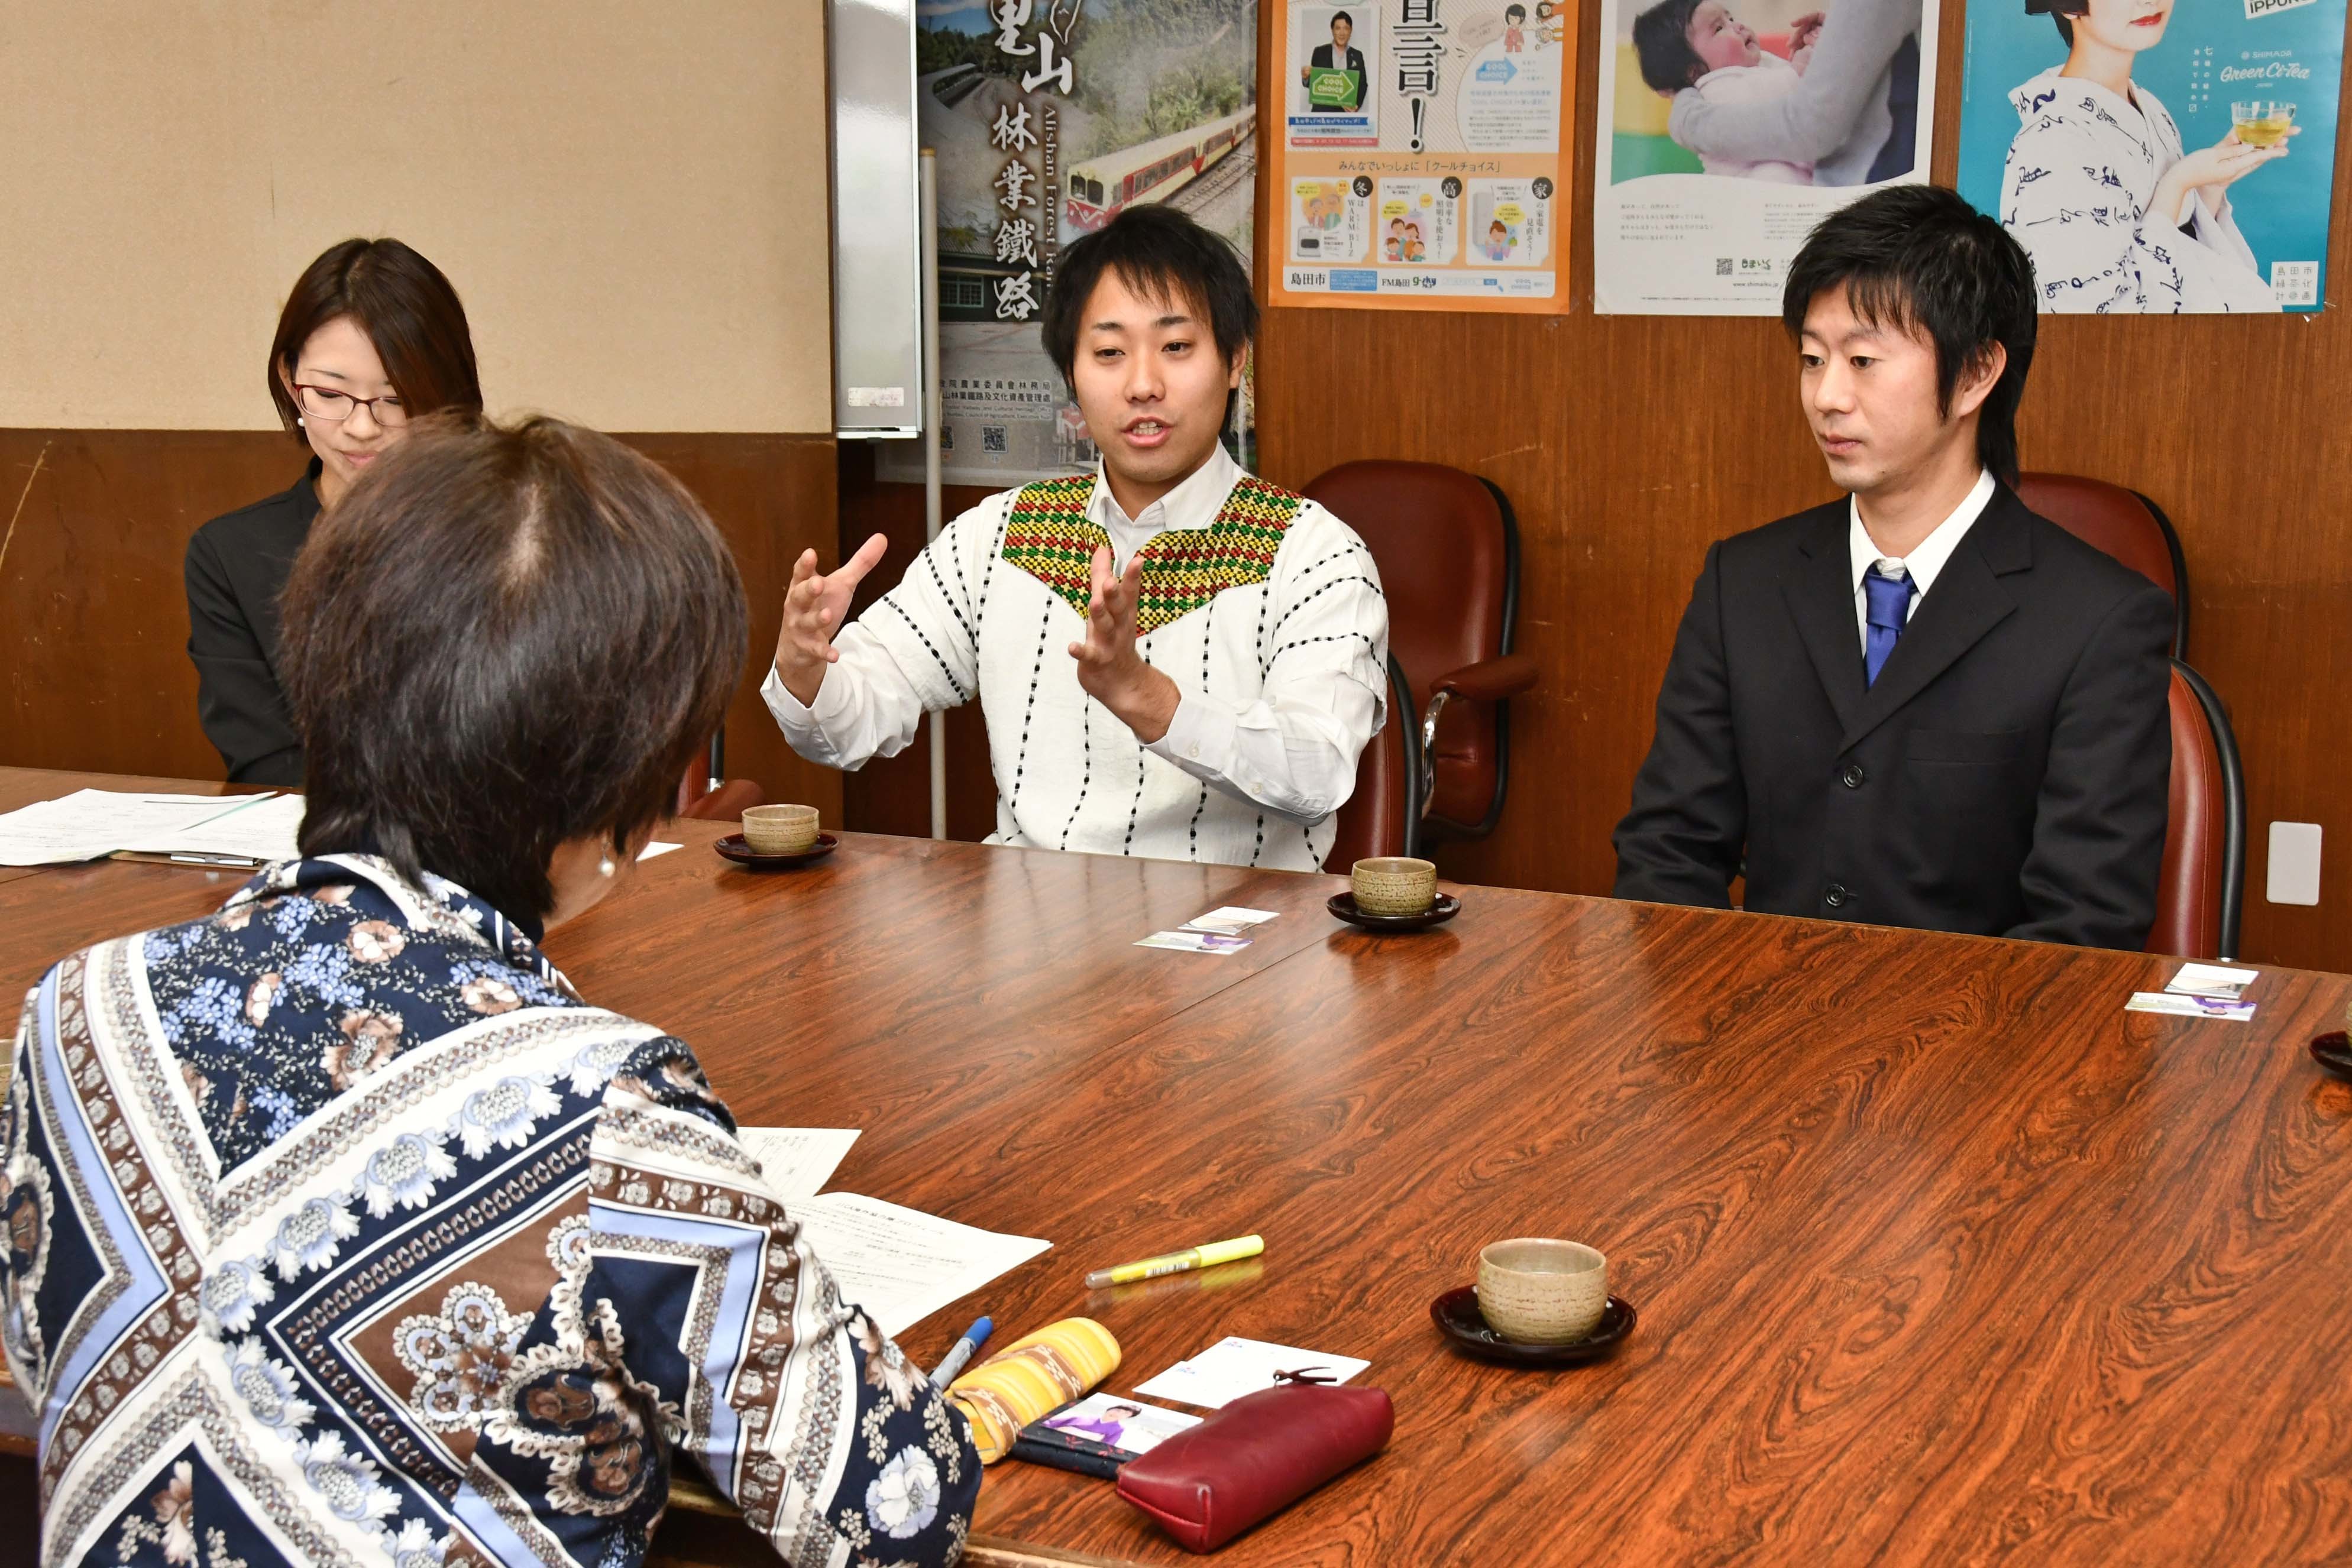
(1448, 551)
(705, 792)
(1383, 816)
(2200, 892)
(2124, 523)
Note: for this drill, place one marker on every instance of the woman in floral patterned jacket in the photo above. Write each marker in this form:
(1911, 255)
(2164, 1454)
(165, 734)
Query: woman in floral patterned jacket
(340, 1229)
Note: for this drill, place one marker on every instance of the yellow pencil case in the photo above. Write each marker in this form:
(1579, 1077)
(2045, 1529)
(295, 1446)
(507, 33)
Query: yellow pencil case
(1030, 1377)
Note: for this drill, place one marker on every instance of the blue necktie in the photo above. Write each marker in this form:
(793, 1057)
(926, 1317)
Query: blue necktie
(1889, 599)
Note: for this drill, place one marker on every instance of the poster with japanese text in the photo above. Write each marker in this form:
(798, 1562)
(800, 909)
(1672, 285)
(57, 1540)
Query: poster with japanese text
(1423, 160)
(2158, 160)
(1730, 128)
(1049, 118)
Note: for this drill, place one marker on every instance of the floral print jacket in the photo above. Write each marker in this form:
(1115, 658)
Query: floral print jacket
(339, 1230)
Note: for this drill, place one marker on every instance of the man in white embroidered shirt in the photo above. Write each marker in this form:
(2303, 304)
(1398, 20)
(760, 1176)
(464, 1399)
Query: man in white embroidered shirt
(1174, 659)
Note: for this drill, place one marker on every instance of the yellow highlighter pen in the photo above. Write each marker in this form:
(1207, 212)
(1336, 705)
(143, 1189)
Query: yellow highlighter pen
(1178, 1262)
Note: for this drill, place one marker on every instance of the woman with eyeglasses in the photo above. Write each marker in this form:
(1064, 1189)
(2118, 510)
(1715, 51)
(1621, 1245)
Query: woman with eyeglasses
(371, 336)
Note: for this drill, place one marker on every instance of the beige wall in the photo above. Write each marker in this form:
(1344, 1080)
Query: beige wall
(630, 196)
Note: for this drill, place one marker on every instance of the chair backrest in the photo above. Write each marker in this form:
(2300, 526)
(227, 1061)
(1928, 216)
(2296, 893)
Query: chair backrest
(2202, 887)
(1448, 551)
(705, 794)
(2124, 523)
(1383, 816)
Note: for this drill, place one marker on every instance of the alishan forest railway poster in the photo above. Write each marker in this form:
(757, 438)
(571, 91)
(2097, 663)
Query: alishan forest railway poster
(1049, 118)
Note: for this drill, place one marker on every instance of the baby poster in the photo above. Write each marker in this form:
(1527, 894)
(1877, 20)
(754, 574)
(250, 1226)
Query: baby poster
(2153, 158)
(1424, 152)
(1730, 128)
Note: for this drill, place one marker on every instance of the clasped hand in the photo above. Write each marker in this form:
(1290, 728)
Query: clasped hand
(1109, 668)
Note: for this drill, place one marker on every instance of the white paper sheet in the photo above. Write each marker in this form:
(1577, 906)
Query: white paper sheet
(902, 1265)
(88, 823)
(797, 1161)
(260, 832)
(2176, 1005)
(655, 849)
(1235, 1366)
(2212, 980)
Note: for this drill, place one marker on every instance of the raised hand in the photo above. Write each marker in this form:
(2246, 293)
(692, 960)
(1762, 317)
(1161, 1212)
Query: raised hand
(1109, 669)
(814, 607)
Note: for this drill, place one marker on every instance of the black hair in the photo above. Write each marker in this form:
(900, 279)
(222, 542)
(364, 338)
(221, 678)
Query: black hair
(504, 639)
(1918, 257)
(1339, 16)
(1515, 12)
(409, 313)
(2061, 11)
(1161, 254)
(1662, 42)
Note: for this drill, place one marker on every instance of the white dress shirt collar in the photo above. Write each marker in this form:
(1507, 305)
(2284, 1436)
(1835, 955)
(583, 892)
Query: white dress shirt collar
(1926, 559)
(1194, 503)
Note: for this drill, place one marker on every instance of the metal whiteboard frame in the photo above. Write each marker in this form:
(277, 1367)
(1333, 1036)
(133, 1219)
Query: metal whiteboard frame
(877, 223)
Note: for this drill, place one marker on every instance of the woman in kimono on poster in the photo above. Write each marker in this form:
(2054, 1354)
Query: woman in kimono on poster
(2115, 216)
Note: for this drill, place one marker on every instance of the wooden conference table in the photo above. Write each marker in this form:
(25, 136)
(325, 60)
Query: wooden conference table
(1939, 1254)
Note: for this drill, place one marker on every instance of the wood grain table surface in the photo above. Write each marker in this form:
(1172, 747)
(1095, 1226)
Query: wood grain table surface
(1940, 1256)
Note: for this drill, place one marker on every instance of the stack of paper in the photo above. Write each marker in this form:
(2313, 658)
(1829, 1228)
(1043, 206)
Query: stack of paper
(901, 1265)
(2200, 991)
(89, 823)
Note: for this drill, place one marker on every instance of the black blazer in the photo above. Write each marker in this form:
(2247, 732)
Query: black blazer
(235, 568)
(1321, 60)
(2008, 775)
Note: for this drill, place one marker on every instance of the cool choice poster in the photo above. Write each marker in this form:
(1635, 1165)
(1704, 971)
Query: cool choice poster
(1730, 128)
(1048, 118)
(2153, 159)
(1421, 164)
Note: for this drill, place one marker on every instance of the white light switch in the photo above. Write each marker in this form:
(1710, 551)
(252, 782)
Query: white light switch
(2294, 862)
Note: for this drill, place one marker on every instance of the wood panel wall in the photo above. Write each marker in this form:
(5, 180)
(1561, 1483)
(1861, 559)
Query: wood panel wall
(1628, 444)
(94, 525)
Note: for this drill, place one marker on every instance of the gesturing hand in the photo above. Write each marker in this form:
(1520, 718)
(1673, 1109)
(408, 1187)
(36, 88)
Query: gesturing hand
(1109, 668)
(814, 607)
(1805, 30)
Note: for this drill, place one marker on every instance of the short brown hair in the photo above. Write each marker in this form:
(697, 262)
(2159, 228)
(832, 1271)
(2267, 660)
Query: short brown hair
(503, 638)
(404, 306)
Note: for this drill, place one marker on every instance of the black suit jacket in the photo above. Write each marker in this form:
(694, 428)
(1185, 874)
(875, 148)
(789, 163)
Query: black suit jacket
(236, 567)
(1321, 60)
(2007, 774)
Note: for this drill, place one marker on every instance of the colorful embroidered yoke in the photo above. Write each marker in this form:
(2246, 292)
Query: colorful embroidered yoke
(341, 1231)
(1049, 536)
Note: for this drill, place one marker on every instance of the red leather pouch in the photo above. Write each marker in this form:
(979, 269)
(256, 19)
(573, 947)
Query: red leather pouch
(1254, 1458)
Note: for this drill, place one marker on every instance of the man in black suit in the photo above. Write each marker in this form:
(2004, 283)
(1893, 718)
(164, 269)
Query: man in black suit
(1922, 705)
(1335, 56)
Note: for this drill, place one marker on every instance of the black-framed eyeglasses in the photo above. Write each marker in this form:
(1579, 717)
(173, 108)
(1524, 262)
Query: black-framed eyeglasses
(333, 406)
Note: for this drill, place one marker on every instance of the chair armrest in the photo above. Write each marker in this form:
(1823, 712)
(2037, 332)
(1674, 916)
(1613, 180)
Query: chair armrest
(1490, 680)
(725, 803)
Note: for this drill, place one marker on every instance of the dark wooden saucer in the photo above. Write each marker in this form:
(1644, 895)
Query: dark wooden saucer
(1457, 1317)
(733, 847)
(2334, 1052)
(1343, 905)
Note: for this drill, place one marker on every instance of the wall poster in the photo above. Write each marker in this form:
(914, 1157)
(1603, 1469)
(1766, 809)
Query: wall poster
(1048, 118)
(1423, 159)
(2158, 160)
(1730, 128)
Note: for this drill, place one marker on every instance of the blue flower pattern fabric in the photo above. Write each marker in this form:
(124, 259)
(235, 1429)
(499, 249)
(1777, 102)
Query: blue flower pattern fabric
(341, 1231)
(2080, 172)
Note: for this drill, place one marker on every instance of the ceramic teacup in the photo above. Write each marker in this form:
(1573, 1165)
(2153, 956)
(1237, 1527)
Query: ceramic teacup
(780, 830)
(1539, 1291)
(1394, 885)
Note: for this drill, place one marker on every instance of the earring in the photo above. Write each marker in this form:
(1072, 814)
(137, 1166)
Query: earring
(298, 420)
(605, 867)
